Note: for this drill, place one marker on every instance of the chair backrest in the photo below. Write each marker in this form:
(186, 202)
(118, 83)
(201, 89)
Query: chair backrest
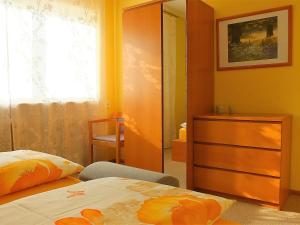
(120, 119)
(117, 115)
(122, 128)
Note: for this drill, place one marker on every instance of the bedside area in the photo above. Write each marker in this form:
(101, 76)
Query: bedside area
(179, 150)
(179, 146)
(246, 156)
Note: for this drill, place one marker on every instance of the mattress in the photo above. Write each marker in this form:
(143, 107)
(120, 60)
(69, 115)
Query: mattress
(67, 181)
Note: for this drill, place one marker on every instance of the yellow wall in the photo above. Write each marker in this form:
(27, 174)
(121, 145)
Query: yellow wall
(268, 90)
(108, 83)
(180, 98)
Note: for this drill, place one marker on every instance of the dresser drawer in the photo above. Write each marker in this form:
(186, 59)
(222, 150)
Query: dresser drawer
(241, 133)
(244, 159)
(245, 185)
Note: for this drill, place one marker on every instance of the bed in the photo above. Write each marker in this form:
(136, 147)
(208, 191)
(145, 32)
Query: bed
(105, 201)
(26, 172)
(39, 189)
(127, 201)
(66, 181)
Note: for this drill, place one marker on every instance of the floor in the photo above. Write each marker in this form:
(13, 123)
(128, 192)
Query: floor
(293, 204)
(177, 169)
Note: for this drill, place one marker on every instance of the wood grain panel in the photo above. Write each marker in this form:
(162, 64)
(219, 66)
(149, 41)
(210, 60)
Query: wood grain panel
(245, 117)
(179, 150)
(200, 69)
(142, 81)
(249, 160)
(286, 158)
(253, 134)
(245, 185)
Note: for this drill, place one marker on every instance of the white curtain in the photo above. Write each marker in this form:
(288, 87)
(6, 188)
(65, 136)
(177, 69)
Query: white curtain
(49, 75)
(169, 52)
(5, 132)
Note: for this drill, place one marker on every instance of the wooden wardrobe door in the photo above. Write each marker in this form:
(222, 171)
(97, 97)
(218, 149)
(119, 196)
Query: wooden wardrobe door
(200, 70)
(142, 73)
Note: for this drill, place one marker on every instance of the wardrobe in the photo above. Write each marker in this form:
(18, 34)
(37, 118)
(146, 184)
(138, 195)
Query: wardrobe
(143, 77)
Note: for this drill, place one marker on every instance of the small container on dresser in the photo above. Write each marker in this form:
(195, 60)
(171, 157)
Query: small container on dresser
(243, 155)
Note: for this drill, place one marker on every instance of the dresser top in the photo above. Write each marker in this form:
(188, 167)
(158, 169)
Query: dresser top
(246, 117)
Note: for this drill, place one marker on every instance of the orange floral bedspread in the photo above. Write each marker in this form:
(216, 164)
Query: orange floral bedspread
(116, 201)
(67, 181)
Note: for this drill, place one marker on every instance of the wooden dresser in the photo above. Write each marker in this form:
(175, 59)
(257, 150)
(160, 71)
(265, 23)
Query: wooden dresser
(243, 155)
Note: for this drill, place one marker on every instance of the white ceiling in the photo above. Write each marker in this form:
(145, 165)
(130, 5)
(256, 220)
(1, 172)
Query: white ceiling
(177, 7)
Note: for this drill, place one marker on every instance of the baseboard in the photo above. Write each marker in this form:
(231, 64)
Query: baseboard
(294, 192)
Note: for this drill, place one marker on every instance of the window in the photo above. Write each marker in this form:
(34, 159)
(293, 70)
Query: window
(47, 56)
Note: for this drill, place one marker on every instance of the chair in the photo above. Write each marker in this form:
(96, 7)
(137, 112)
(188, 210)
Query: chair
(115, 141)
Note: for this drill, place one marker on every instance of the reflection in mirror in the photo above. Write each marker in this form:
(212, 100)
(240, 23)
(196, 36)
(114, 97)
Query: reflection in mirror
(174, 88)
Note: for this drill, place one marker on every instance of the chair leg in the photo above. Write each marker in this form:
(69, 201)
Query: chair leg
(91, 153)
(118, 153)
(91, 147)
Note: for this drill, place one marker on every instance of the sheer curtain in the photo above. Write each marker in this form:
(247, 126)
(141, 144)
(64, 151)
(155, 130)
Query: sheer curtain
(169, 44)
(5, 126)
(50, 75)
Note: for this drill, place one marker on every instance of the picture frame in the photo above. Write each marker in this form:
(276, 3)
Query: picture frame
(255, 40)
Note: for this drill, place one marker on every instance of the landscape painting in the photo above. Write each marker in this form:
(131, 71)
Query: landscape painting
(255, 39)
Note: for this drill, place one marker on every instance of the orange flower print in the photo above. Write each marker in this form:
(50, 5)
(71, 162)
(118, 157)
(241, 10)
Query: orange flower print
(179, 210)
(14, 178)
(91, 217)
(94, 216)
(44, 171)
(73, 221)
(75, 193)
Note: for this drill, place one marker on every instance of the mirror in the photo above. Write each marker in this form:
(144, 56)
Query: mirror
(174, 88)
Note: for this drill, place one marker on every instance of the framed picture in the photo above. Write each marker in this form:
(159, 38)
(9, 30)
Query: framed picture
(258, 39)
